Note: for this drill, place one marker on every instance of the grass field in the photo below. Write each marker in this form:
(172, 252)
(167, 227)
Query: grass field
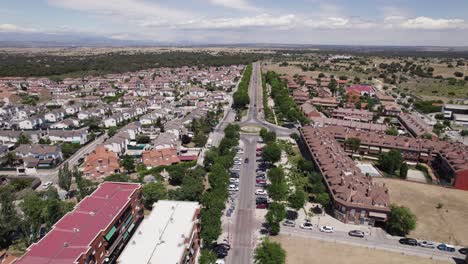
(447, 224)
(308, 251)
(436, 88)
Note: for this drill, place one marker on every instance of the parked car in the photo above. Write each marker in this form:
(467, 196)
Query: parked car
(261, 192)
(46, 185)
(236, 162)
(234, 175)
(259, 149)
(261, 200)
(221, 253)
(306, 225)
(235, 169)
(258, 154)
(463, 251)
(233, 188)
(290, 223)
(426, 244)
(327, 229)
(262, 206)
(446, 247)
(408, 241)
(260, 180)
(234, 180)
(356, 233)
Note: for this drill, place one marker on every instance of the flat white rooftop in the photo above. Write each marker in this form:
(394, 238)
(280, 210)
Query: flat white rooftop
(161, 236)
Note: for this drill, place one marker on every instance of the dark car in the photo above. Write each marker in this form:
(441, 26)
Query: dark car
(234, 175)
(261, 200)
(223, 246)
(463, 251)
(408, 241)
(221, 253)
(447, 248)
(246, 160)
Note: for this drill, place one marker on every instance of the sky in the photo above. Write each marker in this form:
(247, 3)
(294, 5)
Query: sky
(333, 22)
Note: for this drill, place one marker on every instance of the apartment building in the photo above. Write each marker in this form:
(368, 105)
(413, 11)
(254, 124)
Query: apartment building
(355, 198)
(95, 231)
(352, 114)
(170, 234)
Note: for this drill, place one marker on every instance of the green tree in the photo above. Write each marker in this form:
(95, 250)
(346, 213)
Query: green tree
(207, 256)
(353, 144)
(8, 217)
(323, 199)
(23, 139)
(390, 161)
(117, 177)
(400, 221)
(305, 165)
(128, 163)
(112, 131)
(403, 171)
(392, 131)
(153, 192)
(267, 136)
(271, 153)
(276, 213)
(269, 253)
(143, 139)
(297, 199)
(65, 177)
(11, 158)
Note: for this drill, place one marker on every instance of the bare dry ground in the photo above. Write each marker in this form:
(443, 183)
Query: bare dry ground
(447, 224)
(308, 251)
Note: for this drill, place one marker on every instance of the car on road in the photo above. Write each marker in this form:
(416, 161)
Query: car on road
(261, 192)
(290, 223)
(408, 241)
(246, 160)
(356, 233)
(463, 251)
(306, 225)
(46, 185)
(426, 244)
(446, 247)
(80, 160)
(327, 229)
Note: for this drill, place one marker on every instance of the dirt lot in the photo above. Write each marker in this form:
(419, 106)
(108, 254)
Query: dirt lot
(447, 224)
(308, 251)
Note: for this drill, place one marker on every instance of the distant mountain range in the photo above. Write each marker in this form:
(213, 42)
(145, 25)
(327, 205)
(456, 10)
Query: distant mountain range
(76, 40)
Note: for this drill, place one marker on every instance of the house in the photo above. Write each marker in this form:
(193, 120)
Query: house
(364, 90)
(100, 164)
(37, 155)
(309, 110)
(328, 102)
(70, 136)
(72, 109)
(171, 233)
(55, 116)
(11, 136)
(94, 231)
(118, 143)
(160, 157)
(66, 123)
(113, 120)
(33, 122)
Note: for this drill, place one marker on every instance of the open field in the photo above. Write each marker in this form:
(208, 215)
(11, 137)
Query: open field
(308, 251)
(436, 88)
(292, 70)
(447, 224)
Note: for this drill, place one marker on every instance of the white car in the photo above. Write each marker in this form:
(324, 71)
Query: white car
(426, 244)
(237, 162)
(233, 180)
(46, 185)
(306, 225)
(235, 169)
(261, 192)
(327, 229)
(233, 188)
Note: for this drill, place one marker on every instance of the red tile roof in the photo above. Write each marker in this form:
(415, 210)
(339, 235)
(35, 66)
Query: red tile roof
(72, 235)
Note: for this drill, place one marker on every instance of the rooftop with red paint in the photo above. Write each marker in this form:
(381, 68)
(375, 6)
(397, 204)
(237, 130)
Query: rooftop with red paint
(72, 235)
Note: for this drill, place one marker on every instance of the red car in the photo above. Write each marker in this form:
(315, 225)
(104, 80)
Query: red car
(259, 180)
(262, 206)
(258, 154)
(259, 149)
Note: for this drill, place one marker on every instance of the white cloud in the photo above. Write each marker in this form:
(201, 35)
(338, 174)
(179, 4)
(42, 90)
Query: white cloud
(431, 23)
(135, 9)
(235, 4)
(263, 20)
(15, 28)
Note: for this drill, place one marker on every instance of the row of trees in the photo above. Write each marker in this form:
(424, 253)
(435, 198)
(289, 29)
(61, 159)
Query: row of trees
(241, 96)
(217, 162)
(285, 106)
(117, 62)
